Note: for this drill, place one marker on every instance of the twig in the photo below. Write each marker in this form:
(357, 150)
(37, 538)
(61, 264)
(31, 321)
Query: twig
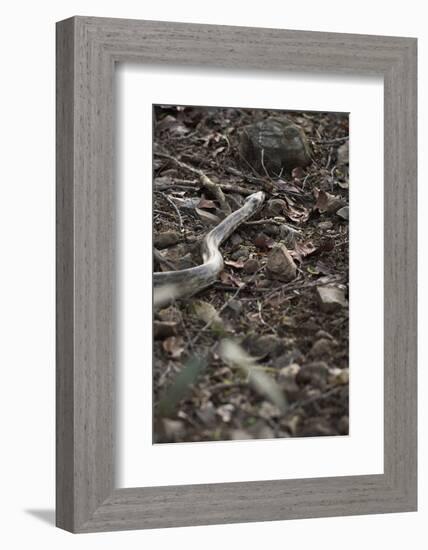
(223, 307)
(273, 221)
(191, 184)
(315, 398)
(206, 182)
(331, 141)
(162, 260)
(175, 207)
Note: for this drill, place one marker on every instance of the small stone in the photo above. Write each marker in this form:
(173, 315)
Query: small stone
(225, 412)
(236, 239)
(315, 374)
(166, 239)
(251, 266)
(280, 265)
(274, 146)
(343, 212)
(289, 372)
(342, 378)
(164, 329)
(321, 348)
(290, 357)
(271, 230)
(264, 345)
(275, 207)
(324, 334)
(331, 298)
(290, 389)
(325, 225)
(242, 253)
(235, 306)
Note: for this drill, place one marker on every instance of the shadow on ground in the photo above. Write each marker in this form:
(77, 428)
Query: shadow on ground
(43, 514)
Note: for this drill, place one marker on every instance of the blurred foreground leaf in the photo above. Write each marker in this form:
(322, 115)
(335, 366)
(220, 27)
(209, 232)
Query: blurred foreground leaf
(234, 355)
(181, 385)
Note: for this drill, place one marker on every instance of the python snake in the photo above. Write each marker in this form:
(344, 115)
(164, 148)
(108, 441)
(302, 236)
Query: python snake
(174, 285)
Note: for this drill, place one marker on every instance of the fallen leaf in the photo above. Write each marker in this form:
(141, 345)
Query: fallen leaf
(297, 173)
(207, 217)
(263, 242)
(239, 264)
(326, 245)
(227, 278)
(206, 203)
(326, 202)
(207, 313)
(303, 249)
(173, 345)
(295, 214)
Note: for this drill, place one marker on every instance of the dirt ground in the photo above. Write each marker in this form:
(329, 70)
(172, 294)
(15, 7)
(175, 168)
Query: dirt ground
(295, 339)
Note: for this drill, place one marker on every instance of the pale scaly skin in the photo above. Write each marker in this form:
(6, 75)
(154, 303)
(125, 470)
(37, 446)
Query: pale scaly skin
(173, 285)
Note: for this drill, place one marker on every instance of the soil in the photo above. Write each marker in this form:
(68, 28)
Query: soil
(297, 340)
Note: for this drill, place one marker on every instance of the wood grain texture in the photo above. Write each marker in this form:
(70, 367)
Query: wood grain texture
(87, 50)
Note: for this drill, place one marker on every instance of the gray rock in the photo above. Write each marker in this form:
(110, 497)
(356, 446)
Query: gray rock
(331, 298)
(166, 239)
(280, 265)
(235, 306)
(343, 212)
(241, 254)
(274, 207)
(274, 146)
(321, 348)
(264, 345)
(325, 225)
(251, 266)
(315, 374)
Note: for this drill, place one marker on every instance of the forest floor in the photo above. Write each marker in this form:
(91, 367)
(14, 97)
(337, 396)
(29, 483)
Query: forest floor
(295, 339)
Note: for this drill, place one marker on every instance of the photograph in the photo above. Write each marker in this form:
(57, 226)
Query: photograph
(250, 273)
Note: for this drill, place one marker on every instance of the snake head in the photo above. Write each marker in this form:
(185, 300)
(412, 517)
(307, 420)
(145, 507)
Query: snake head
(256, 199)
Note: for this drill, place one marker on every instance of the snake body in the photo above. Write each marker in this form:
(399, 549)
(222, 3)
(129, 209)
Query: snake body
(174, 285)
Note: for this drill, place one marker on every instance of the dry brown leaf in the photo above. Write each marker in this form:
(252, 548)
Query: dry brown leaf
(228, 279)
(206, 203)
(239, 264)
(207, 313)
(263, 242)
(207, 217)
(174, 347)
(326, 202)
(303, 249)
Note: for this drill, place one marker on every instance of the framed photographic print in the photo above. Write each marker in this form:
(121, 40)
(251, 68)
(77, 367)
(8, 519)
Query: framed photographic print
(236, 274)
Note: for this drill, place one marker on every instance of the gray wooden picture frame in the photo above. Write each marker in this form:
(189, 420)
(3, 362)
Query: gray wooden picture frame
(87, 51)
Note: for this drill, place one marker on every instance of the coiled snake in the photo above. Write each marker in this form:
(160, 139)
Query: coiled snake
(173, 285)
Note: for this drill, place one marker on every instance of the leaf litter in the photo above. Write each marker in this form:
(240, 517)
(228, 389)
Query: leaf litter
(242, 360)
